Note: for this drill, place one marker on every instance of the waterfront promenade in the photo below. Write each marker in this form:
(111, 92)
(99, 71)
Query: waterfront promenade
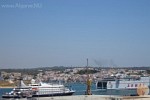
(92, 97)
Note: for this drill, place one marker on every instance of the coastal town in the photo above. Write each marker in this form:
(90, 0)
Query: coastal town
(67, 74)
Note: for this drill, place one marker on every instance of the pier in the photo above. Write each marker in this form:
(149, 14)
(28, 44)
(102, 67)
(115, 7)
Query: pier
(92, 97)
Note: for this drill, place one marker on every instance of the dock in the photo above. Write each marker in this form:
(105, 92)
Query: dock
(91, 97)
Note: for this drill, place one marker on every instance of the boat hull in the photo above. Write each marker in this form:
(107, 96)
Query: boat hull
(40, 95)
(120, 92)
(55, 94)
(12, 96)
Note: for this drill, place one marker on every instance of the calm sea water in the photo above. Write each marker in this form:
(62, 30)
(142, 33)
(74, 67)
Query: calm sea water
(4, 90)
(80, 88)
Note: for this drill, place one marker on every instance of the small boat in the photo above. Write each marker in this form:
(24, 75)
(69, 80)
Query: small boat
(18, 93)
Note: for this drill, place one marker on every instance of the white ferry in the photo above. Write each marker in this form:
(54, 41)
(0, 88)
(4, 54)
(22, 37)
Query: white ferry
(123, 86)
(38, 90)
(44, 90)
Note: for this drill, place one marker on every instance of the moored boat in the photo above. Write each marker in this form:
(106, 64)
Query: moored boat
(18, 93)
(123, 86)
(44, 90)
(38, 90)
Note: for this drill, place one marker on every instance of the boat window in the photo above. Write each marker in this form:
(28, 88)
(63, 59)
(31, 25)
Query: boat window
(99, 85)
(104, 85)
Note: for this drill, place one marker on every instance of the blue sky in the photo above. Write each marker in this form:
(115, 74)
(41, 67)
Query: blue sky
(66, 32)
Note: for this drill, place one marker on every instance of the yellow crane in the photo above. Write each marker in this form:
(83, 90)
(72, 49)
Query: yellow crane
(88, 82)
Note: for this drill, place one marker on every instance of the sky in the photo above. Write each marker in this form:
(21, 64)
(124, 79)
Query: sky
(47, 33)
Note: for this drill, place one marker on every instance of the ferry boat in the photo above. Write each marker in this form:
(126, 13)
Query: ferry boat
(38, 90)
(44, 90)
(123, 86)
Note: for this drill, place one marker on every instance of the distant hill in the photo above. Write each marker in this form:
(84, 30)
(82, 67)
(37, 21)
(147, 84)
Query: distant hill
(34, 71)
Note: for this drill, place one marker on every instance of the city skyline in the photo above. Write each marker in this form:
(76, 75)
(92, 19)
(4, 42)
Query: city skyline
(35, 33)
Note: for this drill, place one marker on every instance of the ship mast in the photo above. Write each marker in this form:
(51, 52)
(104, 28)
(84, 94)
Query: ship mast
(88, 82)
